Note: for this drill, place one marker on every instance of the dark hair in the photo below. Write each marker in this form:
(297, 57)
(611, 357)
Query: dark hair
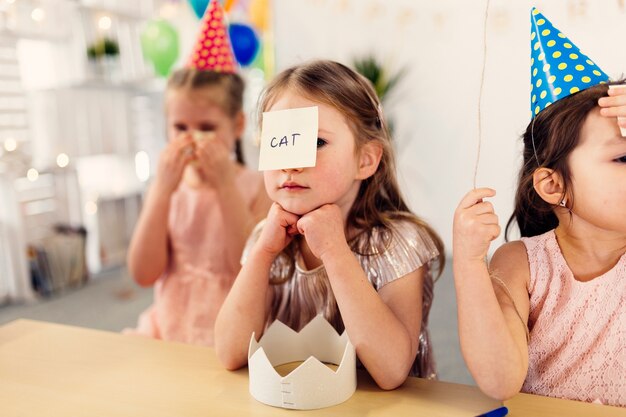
(228, 94)
(548, 141)
(379, 199)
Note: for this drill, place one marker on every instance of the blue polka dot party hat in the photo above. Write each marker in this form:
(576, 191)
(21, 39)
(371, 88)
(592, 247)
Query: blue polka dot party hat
(557, 67)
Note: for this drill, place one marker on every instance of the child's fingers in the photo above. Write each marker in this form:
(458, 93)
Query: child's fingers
(182, 139)
(612, 101)
(292, 230)
(617, 90)
(476, 196)
(493, 231)
(616, 99)
(615, 111)
(481, 208)
(286, 218)
(182, 146)
(489, 219)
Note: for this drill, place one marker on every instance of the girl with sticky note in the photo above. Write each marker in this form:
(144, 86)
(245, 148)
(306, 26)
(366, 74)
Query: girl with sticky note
(339, 239)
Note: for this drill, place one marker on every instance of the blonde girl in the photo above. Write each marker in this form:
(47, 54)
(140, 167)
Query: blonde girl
(339, 239)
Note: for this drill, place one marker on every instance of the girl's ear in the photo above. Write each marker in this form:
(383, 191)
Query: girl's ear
(369, 158)
(549, 185)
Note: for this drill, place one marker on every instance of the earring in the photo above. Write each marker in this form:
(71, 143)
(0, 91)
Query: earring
(563, 203)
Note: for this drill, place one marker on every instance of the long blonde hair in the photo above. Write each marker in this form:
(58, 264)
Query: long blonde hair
(229, 85)
(379, 200)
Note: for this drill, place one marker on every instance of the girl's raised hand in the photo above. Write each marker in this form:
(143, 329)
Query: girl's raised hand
(172, 161)
(278, 231)
(323, 229)
(475, 225)
(213, 161)
(615, 104)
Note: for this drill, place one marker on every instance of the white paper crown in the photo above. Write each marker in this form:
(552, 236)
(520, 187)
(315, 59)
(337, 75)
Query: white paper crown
(312, 384)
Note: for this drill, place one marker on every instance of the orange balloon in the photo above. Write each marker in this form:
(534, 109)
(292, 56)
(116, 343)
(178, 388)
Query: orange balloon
(228, 4)
(260, 14)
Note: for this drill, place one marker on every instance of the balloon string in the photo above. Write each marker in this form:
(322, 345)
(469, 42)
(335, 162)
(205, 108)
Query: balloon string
(480, 92)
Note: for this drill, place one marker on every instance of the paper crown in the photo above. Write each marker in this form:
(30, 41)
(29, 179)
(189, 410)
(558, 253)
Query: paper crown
(213, 51)
(557, 66)
(312, 384)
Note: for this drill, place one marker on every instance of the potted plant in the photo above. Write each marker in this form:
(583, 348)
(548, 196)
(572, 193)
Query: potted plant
(103, 55)
(383, 83)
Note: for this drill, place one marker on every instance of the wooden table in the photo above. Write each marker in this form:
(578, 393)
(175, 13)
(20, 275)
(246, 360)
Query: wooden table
(55, 370)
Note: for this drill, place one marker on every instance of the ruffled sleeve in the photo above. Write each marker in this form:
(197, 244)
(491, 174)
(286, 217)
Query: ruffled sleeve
(392, 254)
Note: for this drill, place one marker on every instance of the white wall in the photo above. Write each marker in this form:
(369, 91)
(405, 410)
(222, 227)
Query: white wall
(435, 110)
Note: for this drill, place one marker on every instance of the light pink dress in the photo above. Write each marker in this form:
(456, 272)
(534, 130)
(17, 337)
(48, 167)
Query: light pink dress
(577, 346)
(190, 293)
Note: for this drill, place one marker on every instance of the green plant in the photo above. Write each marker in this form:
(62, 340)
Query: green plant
(376, 73)
(382, 82)
(103, 47)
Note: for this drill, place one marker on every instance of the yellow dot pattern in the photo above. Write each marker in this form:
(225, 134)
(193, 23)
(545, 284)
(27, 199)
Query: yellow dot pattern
(558, 67)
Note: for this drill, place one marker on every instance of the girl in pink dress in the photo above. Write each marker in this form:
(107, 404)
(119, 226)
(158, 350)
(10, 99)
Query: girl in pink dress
(547, 316)
(339, 239)
(199, 210)
(201, 206)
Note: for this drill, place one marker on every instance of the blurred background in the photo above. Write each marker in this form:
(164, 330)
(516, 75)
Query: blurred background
(81, 121)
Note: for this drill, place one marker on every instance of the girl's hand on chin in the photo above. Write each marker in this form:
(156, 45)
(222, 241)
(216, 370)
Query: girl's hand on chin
(278, 231)
(323, 229)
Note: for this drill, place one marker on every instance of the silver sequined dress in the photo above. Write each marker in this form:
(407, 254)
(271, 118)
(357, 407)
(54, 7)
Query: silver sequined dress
(387, 256)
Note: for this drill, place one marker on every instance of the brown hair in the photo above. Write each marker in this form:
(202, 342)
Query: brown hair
(379, 199)
(229, 96)
(548, 141)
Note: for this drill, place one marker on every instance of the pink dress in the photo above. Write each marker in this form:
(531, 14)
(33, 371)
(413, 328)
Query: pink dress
(190, 293)
(577, 346)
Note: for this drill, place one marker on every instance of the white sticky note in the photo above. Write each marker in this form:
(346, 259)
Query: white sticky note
(621, 119)
(289, 139)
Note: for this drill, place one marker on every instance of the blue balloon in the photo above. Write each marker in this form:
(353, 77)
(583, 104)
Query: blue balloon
(199, 7)
(245, 43)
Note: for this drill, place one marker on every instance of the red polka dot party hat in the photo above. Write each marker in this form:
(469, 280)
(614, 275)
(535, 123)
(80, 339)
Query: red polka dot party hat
(213, 51)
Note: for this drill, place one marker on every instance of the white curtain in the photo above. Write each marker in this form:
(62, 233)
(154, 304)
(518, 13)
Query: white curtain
(14, 276)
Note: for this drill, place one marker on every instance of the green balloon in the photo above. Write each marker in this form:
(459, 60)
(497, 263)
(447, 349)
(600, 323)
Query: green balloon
(159, 42)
